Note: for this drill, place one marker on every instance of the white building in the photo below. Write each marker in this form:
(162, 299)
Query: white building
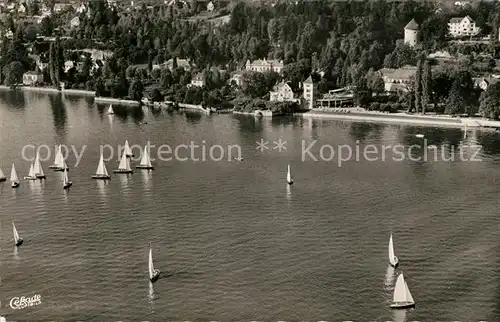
(308, 92)
(75, 22)
(265, 65)
(282, 93)
(210, 6)
(197, 81)
(398, 79)
(237, 78)
(412, 32)
(462, 27)
(32, 78)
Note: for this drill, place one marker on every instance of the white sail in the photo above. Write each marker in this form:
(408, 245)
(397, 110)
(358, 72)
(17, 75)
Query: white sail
(1, 174)
(101, 168)
(289, 175)
(14, 230)
(401, 291)
(151, 267)
(145, 160)
(391, 252)
(126, 149)
(65, 177)
(58, 161)
(37, 168)
(13, 174)
(31, 174)
(110, 109)
(124, 163)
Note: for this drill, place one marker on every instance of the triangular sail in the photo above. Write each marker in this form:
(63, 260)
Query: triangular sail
(32, 171)
(58, 161)
(110, 109)
(101, 168)
(38, 166)
(289, 175)
(401, 291)
(13, 174)
(151, 267)
(65, 177)
(124, 165)
(1, 174)
(408, 294)
(14, 230)
(127, 150)
(145, 160)
(391, 251)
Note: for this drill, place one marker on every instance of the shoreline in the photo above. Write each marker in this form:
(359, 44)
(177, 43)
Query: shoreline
(111, 100)
(374, 117)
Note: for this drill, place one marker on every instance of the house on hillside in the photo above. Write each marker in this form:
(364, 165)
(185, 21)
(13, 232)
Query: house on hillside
(237, 78)
(462, 27)
(197, 81)
(263, 65)
(75, 22)
(22, 8)
(32, 78)
(210, 6)
(397, 79)
(282, 93)
(484, 82)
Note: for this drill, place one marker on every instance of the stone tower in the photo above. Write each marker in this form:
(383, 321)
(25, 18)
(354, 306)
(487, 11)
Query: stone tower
(412, 32)
(308, 88)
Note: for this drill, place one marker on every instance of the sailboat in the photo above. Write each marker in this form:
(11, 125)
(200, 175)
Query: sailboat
(393, 259)
(59, 162)
(17, 240)
(110, 109)
(145, 160)
(402, 297)
(127, 150)
(31, 174)
(465, 131)
(14, 180)
(289, 176)
(124, 166)
(153, 273)
(66, 182)
(2, 176)
(37, 167)
(102, 172)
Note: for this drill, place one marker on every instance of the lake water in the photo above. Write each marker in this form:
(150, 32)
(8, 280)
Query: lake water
(240, 243)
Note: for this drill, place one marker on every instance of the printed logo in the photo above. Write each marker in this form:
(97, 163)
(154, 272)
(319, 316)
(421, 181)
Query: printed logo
(18, 303)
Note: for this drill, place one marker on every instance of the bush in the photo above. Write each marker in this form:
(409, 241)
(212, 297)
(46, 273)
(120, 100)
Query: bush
(375, 106)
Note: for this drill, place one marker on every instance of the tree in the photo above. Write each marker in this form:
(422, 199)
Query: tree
(426, 85)
(13, 73)
(490, 102)
(418, 86)
(135, 90)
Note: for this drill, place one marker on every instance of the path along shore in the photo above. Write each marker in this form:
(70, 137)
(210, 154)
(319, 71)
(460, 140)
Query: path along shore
(360, 114)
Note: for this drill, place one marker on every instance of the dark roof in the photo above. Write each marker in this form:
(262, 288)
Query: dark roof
(412, 25)
(308, 80)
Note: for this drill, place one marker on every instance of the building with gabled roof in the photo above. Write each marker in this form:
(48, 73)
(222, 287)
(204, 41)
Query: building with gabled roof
(462, 27)
(412, 33)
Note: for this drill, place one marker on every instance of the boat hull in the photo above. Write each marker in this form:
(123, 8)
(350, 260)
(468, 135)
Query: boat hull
(100, 177)
(19, 242)
(156, 275)
(60, 169)
(396, 262)
(15, 185)
(67, 185)
(3, 179)
(402, 305)
(123, 171)
(30, 178)
(290, 182)
(38, 176)
(144, 167)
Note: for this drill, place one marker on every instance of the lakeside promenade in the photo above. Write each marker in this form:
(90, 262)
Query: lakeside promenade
(360, 114)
